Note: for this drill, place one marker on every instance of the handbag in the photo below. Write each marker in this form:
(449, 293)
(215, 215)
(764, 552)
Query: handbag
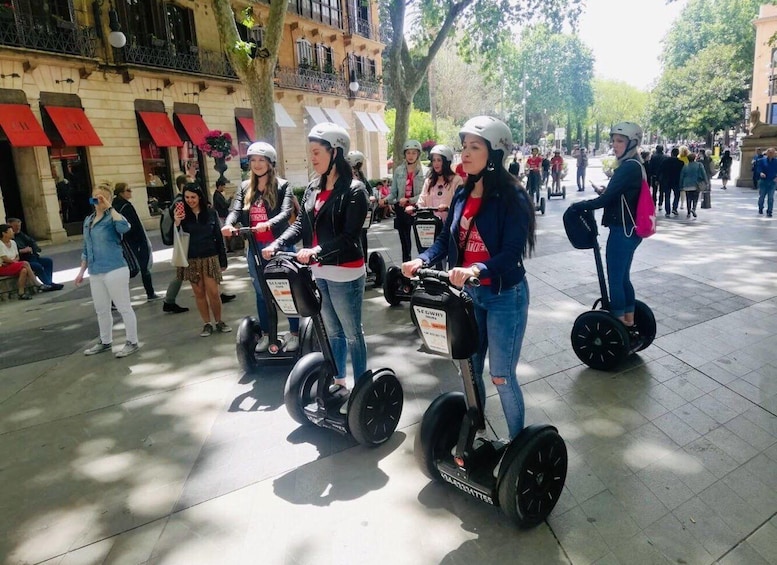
(130, 258)
(180, 248)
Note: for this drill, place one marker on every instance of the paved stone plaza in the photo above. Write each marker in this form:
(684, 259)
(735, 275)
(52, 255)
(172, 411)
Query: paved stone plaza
(173, 456)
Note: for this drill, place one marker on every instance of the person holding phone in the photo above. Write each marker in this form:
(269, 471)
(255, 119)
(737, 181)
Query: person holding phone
(109, 277)
(207, 255)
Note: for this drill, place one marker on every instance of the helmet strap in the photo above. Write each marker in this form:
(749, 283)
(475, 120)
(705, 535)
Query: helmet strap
(333, 153)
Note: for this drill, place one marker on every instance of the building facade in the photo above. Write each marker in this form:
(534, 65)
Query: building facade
(75, 111)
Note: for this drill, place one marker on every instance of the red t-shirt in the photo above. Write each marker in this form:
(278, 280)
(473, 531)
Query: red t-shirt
(322, 197)
(256, 215)
(534, 163)
(460, 171)
(475, 250)
(557, 163)
(409, 184)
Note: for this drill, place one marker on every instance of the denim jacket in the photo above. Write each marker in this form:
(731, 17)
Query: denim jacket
(102, 244)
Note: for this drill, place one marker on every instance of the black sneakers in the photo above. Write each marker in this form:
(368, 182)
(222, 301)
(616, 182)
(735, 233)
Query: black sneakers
(173, 308)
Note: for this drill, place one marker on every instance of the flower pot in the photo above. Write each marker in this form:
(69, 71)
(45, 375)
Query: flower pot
(221, 166)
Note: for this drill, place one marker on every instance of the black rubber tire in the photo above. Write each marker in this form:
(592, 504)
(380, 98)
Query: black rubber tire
(374, 408)
(308, 342)
(378, 268)
(301, 385)
(549, 194)
(542, 206)
(532, 477)
(391, 285)
(248, 334)
(439, 432)
(600, 340)
(564, 193)
(646, 323)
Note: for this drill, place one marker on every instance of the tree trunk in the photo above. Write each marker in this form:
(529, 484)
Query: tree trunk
(401, 127)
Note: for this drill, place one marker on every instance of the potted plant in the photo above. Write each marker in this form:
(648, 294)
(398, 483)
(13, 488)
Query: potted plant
(218, 145)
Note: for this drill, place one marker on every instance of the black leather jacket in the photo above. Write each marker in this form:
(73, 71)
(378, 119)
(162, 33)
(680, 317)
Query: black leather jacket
(338, 224)
(278, 216)
(626, 181)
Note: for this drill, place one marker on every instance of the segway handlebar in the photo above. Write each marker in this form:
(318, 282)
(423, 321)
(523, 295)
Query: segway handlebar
(293, 255)
(443, 276)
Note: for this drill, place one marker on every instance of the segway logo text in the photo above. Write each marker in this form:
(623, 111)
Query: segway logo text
(466, 488)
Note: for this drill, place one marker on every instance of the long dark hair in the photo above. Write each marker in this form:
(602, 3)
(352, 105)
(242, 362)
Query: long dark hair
(447, 173)
(498, 181)
(343, 167)
(196, 189)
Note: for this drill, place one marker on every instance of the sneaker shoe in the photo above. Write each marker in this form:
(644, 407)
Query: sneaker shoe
(223, 328)
(98, 347)
(153, 297)
(57, 286)
(227, 298)
(761, 211)
(768, 214)
(292, 342)
(674, 212)
(688, 215)
(173, 308)
(668, 215)
(207, 330)
(694, 213)
(46, 288)
(264, 343)
(128, 349)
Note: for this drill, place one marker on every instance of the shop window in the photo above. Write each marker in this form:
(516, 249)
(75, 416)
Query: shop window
(156, 167)
(71, 172)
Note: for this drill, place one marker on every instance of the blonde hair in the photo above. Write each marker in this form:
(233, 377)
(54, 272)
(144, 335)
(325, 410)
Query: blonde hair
(107, 188)
(270, 193)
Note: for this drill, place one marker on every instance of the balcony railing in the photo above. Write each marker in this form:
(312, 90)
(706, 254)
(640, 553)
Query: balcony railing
(310, 79)
(55, 36)
(364, 28)
(370, 89)
(192, 60)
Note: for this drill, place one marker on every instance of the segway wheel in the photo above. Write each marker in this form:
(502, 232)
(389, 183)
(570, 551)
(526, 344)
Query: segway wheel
(377, 266)
(600, 340)
(532, 476)
(301, 385)
(549, 194)
(646, 323)
(439, 431)
(564, 193)
(374, 408)
(391, 285)
(248, 335)
(542, 206)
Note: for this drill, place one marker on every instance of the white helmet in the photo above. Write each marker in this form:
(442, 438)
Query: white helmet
(264, 149)
(332, 134)
(355, 158)
(411, 144)
(629, 130)
(494, 131)
(442, 150)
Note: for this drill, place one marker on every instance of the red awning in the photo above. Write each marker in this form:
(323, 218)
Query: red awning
(161, 129)
(195, 127)
(248, 127)
(73, 125)
(21, 127)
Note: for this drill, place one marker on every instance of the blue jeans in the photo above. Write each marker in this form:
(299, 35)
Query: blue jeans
(501, 322)
(43, 267)
(261, 307)
(766, 189)
(341, 309)
(620, 253)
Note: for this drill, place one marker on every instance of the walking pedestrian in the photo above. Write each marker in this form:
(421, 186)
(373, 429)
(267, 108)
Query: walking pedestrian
(669, 180)
(654, 166)
(174, 287)
(693, 179)
(405, 189)
(136, 237)
(767, 173)
(759, 153)
(487, 234)
(725, 168)
(581, 157)
(102, 256)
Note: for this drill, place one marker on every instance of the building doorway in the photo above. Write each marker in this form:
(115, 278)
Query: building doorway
(9, 184)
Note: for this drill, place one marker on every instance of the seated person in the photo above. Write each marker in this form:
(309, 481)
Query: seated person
(384, 209)
(10, 266)
(29, 251)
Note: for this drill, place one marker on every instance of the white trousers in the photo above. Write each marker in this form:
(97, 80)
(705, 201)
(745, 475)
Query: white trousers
(113, 286)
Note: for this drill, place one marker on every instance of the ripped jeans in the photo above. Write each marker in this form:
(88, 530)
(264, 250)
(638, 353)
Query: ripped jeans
(501, 322)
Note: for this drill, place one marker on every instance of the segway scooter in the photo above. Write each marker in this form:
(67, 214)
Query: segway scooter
(524, 476)
(599, 339)
(376, 265)
(539, 201)
(375, 403)
(560, 191)
(426, 227)
(249, 331)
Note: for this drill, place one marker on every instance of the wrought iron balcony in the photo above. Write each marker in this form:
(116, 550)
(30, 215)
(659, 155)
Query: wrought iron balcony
(370, 89)
(364, 28)
(310, 79)
(167, 56)
(55, 36)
